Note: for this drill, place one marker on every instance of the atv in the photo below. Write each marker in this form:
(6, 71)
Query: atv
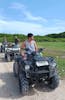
(11, 52)
(35, 67)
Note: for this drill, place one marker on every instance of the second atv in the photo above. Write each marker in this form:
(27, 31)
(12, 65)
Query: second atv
(11, 52)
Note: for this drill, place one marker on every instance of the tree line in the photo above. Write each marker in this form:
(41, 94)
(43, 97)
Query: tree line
(47, 38)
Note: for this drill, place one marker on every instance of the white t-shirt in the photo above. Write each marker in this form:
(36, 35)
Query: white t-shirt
(30, 46)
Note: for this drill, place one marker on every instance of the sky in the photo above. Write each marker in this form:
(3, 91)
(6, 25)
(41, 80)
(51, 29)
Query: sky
(39, 17)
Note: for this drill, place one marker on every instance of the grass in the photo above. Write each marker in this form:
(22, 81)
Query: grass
(56, 50)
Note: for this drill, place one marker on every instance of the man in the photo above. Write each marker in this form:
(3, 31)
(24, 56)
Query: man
(30, 43)
(16, 40)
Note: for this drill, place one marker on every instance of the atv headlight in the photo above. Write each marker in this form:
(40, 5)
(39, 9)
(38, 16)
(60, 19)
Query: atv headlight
(42, 63)
(27, 67)
(16, 49)
(8, 50)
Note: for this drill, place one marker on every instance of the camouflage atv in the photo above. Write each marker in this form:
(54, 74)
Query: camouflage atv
(35, 67)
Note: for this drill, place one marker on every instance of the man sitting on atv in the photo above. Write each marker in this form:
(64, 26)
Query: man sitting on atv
(29, 44)
(16, 41)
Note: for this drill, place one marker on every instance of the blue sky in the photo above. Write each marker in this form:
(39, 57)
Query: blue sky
(36, 16)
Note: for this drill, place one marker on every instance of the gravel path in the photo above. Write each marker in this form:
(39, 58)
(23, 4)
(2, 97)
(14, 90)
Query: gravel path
(9, 89)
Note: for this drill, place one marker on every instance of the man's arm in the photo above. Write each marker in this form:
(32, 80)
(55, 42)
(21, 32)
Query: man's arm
(36, 48)
(22, 47)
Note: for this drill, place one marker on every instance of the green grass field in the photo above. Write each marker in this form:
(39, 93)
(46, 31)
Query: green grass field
(56, 50)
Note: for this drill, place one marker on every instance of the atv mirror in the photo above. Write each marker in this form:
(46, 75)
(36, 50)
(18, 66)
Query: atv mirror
(41, 49)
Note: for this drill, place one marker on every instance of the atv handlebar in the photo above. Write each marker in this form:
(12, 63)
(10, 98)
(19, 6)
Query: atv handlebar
(39, 50)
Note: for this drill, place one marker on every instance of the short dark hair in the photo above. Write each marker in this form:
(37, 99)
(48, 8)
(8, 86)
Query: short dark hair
(29, 35)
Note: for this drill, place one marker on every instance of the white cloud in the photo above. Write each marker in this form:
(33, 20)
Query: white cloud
(25, 27)
(28, 15)
(19, 27)
(34, 18)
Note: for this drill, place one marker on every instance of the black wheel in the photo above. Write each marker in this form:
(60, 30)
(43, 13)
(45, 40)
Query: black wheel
(15, 69)
(23, 85)
(5, 56)
(54, 82)
(1, 49)
(8, 58)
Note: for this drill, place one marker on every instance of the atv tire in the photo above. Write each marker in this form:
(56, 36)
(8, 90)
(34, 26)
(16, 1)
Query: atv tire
(5, 56)
(24, 85)
(8, 58)
(1, 50)
(15, 69)
(54, 82)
